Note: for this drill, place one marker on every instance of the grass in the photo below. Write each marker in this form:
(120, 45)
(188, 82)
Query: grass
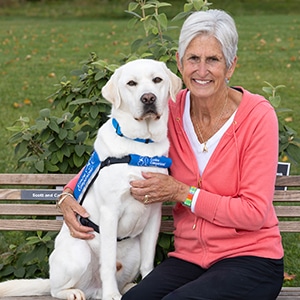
(43, 41)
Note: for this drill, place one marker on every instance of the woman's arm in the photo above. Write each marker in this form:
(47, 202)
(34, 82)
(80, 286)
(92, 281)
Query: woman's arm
(70, 209)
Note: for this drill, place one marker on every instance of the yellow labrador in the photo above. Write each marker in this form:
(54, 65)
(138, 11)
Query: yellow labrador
(134, 139)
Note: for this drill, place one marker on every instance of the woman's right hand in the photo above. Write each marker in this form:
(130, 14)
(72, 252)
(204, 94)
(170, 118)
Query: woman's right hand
(71, 209)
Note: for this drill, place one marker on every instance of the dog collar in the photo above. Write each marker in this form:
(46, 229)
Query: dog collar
(119, 132)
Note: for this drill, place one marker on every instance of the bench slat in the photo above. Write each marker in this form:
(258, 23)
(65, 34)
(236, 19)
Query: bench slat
(167, 226)
(293, 180)
(287, 196)
(289, 226)
(290, 291)
(35, 179)
(29, 210)
(10, 194)
(30, 225)
(287, 211)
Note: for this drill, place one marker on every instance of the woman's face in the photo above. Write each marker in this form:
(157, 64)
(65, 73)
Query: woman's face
(203, 67)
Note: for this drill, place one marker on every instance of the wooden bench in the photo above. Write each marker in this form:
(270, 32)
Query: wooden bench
(32, 197)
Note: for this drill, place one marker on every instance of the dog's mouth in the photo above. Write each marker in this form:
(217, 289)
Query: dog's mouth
(149, 114)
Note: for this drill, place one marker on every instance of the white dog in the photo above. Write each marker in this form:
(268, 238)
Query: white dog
(105, 268)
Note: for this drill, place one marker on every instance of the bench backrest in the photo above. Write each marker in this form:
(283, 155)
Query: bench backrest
(286, 201)
(27, 201)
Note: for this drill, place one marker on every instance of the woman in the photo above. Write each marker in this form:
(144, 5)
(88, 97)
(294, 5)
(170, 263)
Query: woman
(224, 147)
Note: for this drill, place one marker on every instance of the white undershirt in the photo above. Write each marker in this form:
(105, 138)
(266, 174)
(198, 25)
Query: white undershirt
(212, 143)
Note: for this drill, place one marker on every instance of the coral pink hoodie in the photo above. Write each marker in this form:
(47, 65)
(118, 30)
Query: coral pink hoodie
(233, 214)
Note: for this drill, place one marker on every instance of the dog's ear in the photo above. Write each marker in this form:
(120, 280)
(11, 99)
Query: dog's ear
(111, 91)
(175, 83)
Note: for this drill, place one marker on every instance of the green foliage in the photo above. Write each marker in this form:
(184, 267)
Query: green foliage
(165, 244)
(157, 44)
(289, 143)
(28, 260)
(63, 144)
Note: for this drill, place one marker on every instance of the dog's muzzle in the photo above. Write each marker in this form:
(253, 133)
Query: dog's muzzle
(149, 107)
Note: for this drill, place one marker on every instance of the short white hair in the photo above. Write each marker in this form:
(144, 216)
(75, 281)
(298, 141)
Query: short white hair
(213, 22)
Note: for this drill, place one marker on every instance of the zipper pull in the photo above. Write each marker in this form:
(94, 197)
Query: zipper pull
(199, 182)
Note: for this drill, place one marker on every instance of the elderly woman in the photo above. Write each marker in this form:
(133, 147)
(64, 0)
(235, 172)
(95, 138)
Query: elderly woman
(224, 147)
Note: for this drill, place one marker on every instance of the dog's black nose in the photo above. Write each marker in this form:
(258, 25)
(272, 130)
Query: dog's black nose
(148, 98)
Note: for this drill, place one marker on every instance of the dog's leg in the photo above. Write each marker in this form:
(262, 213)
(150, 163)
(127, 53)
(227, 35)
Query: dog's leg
(71, 268)
(108, 251)
(148, 240)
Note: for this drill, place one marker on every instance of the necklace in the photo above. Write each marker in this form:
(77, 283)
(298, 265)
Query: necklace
(215, 128)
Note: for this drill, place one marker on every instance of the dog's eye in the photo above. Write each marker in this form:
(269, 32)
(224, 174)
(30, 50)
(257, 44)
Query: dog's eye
(157, 80)
(132, 83)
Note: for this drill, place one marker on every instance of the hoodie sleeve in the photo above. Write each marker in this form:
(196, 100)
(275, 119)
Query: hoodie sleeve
(72, 183)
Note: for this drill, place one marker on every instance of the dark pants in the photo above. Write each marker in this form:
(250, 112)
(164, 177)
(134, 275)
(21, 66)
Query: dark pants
(242, 278)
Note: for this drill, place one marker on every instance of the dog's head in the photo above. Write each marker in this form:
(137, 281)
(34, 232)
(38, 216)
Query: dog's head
(142, 88)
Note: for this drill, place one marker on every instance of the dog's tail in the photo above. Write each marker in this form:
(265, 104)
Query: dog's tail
(25, 287)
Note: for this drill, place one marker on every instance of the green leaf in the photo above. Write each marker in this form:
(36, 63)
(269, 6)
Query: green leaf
(188, 7)
(80, 149)
(78, 160)
(162, 20)
(293, 151)
(7, 271)
(163, 4)
(275, 100)
(54, 126)
(32, 240)
(20, 272)
(59, 142)
(40, 166)
(132, 6)
(99, 75)
(50, 167)
(60, 156)
(94, 111)
(66, 150)
(45, 113)
(63, 133)
(198, 4)
(268, 90)
(136, 45)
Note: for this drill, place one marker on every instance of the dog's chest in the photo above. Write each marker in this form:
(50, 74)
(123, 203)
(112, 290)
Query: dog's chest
(133, 219)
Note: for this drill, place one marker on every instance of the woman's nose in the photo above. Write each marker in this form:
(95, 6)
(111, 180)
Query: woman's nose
(202, 69)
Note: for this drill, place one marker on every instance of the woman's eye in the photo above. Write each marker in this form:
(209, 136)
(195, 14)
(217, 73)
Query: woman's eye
(194, 59)
(212, 59)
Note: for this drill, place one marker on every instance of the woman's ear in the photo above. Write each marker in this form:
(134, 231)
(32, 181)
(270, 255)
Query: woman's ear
(231, 69)
(179, 66)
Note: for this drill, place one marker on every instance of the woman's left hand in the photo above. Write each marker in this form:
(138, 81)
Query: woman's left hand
(157, 187)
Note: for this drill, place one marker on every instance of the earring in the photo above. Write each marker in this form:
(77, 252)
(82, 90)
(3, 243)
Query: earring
(227, 80)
